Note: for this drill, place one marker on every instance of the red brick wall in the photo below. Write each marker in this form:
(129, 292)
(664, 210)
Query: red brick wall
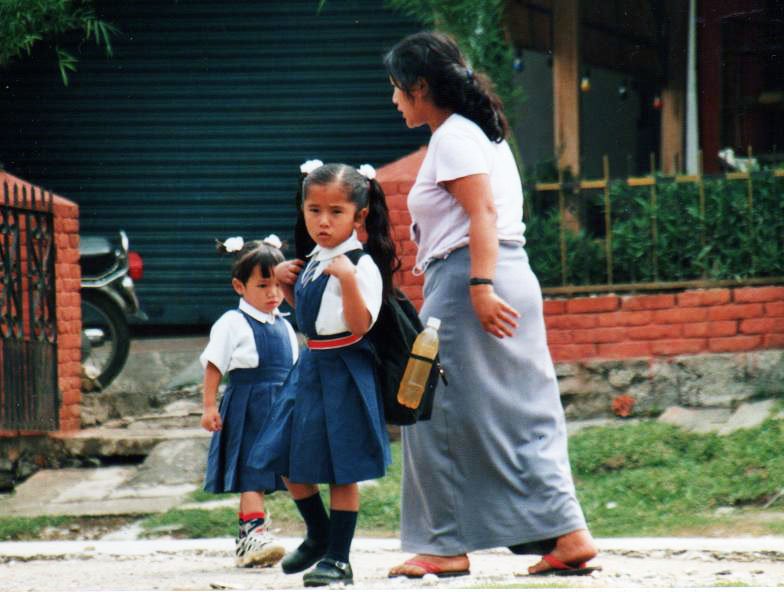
(618, 327)
(68, 304)
(690, 322)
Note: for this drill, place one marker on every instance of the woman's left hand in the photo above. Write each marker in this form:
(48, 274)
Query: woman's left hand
(497, 317)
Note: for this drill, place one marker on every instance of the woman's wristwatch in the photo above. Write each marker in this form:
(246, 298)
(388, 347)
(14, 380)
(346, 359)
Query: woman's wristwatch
(478, 281)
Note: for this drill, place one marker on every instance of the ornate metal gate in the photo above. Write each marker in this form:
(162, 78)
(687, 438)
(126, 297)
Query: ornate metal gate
(28, 323)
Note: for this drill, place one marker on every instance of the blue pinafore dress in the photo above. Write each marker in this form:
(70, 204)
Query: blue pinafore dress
(245, 409)
(328, 422)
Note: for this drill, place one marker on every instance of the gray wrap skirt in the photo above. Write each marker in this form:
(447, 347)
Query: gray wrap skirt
(491, 468)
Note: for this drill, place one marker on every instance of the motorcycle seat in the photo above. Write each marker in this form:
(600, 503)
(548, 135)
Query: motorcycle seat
(94, 246)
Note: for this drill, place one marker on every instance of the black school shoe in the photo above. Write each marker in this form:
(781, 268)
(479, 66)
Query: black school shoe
(329, 571)
(301, 558)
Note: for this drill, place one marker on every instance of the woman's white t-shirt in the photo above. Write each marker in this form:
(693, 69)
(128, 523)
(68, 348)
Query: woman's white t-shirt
(459, 148)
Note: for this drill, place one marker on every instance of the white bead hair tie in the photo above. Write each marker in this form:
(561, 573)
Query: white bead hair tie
(273, 241)
(309, 166)
(233, 244)
(367, 171)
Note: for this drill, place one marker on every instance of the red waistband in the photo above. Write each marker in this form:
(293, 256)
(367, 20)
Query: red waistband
(333, 343)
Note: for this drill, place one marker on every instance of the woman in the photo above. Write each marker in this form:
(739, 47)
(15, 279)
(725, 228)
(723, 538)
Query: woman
(491, 468)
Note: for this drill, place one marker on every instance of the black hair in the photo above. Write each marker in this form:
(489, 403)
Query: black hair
(363, 193)
(436, 58)
(303, 243)
(253, 254)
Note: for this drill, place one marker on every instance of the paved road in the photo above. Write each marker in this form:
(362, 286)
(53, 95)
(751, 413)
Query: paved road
(206, 564)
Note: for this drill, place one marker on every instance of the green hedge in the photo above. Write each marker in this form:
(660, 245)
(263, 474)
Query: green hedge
(737, 245)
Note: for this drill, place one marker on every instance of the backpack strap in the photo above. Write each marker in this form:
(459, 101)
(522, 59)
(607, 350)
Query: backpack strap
(355, 255)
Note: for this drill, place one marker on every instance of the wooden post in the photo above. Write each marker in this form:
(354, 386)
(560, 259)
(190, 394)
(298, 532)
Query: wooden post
(566, 72)
(562, 226)
(673, 118)
(608, 218)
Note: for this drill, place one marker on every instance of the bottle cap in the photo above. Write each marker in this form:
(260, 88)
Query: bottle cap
(434, 322)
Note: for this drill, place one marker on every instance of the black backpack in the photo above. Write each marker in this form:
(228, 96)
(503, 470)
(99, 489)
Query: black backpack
(392, 337)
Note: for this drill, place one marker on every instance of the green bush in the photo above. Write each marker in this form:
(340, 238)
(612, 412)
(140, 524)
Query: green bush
(738, 244)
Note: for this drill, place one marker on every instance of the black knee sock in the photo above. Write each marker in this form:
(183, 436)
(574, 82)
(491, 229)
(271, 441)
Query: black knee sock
(341, 532)
(315, 516)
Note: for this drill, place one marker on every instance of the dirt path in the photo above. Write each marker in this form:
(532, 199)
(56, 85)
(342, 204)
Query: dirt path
(207, 565)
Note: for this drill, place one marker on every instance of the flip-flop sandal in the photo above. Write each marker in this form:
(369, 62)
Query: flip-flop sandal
(430, 568)
(559, 568)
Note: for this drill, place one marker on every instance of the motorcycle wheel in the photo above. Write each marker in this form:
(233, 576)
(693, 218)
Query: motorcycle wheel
(105, 339)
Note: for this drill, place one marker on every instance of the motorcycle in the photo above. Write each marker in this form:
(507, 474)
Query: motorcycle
(109, 303)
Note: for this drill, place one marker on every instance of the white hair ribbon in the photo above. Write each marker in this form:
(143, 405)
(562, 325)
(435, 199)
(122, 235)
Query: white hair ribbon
(233, 244)
(367, 171)
(309, 166)
(273, 241)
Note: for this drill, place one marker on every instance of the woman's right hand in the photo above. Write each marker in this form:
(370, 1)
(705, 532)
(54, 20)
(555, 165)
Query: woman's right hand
(211, 419)
(287, 271)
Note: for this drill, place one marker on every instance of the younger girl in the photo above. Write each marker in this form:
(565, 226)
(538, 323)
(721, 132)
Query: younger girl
(334, 429)
(257, 347)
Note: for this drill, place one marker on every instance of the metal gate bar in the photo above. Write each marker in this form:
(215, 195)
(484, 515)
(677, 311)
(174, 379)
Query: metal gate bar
(29, 397)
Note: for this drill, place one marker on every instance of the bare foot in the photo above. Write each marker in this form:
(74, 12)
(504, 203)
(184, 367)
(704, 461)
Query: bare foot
(449, 563)
(574, 549)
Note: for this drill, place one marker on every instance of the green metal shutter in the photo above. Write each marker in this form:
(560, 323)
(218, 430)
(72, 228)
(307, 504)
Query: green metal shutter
(196, 127)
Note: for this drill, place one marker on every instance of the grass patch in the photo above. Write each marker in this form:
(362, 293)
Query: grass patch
(193, 524)
(645, 479)
(655, 479)
(16, 528)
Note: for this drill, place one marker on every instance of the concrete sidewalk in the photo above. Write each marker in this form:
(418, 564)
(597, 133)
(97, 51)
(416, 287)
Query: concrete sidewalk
(207, 564)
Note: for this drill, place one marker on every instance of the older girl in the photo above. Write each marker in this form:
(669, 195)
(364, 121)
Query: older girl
(332, 424)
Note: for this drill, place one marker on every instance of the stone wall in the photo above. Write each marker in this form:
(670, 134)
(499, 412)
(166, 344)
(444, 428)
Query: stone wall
(68, 305)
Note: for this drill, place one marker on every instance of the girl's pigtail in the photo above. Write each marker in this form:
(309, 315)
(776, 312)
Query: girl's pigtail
(379, 244)
(303, 244)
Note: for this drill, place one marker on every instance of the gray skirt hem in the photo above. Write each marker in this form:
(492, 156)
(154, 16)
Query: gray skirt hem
(490, 543)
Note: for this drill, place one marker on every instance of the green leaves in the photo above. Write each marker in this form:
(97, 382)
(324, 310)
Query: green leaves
(668, 239)
(25, 23)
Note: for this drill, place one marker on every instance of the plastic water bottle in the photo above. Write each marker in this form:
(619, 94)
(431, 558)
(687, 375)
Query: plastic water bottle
(420, 363)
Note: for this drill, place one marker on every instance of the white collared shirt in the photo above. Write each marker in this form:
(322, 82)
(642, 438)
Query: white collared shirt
(330, 318)
(231, 339)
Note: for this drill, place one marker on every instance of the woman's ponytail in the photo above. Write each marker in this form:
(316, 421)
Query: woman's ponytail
(452, 84)
(380, 245)
(484, 107)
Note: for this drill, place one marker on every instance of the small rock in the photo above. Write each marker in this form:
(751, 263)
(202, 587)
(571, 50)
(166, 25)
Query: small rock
(696, 420)
(621, 378)
(748, 415)
(25, 468)
(7, 480)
